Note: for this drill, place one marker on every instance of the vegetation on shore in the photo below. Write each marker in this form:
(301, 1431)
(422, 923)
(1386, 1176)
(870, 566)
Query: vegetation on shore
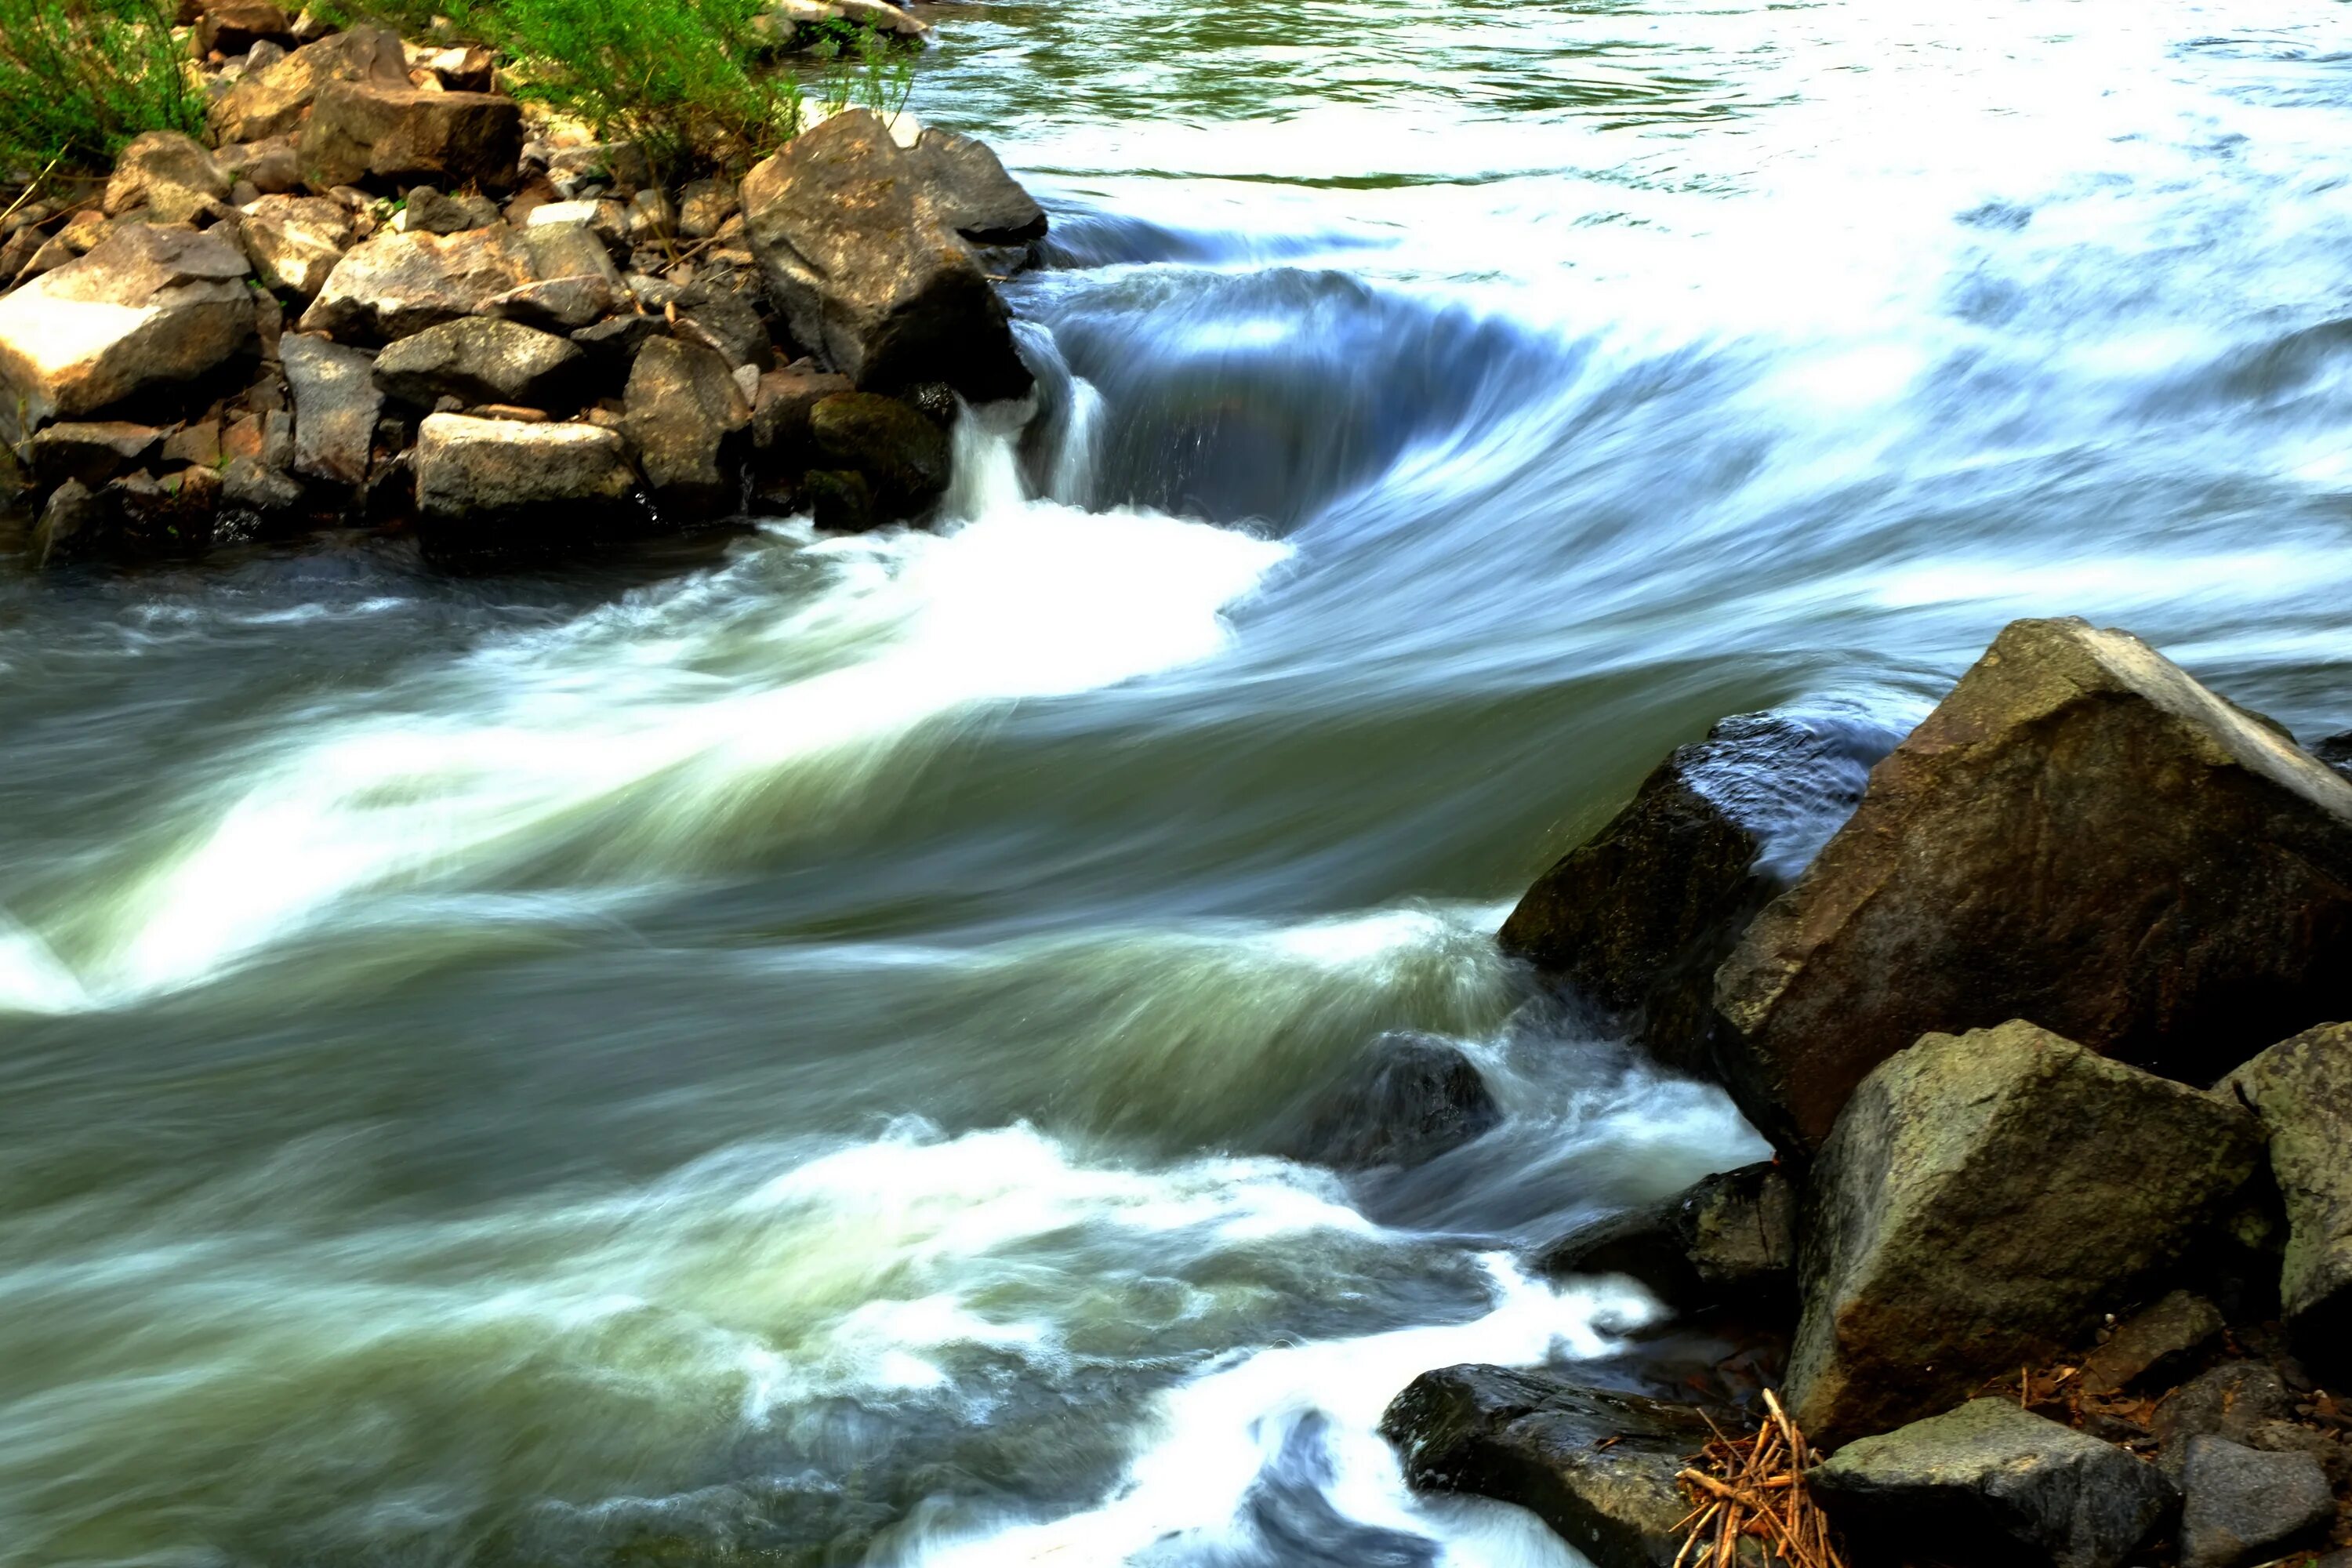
(80, 77)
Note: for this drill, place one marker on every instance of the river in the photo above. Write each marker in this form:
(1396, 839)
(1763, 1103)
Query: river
(769, 1049)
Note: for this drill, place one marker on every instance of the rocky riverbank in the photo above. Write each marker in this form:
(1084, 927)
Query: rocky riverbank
(2055, 1258)
(382, 292)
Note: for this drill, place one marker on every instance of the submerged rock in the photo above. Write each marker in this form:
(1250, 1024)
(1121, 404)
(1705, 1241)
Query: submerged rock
(1598, 1468)
(1982, 1199)
(1990, 1482)
(2241, 1506)
(2300, 1090)
(2080, 834)
(1730, 1236)
(1405, 1101)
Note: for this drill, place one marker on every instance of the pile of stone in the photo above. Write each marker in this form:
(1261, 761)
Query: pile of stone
(2051, 1039)
(380, 293)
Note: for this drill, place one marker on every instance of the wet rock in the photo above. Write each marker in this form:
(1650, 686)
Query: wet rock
(780, 408)
(2201, 908)
(362, 130)
(684, 412)
(1407, 1099)
(862, 269)
(234, 26)
(1639, 917)
(482, 360)
(295, 242)
(1990, 1482)
(1730, 1236)
(1981, 1198)
(91, 452)
(972, 194)
(837, 500)
(72, 521)
(2300, 1090)
(904, 456)
(427, 211)
(2151, 1343)
(272, 103)
(2336, 751)
(498, 483)
(2243, 1507)
(336, 403)
(704, 206)
(169, 175)
(166, 513)
(397, 284)
(147, 306)
(1523, 1439)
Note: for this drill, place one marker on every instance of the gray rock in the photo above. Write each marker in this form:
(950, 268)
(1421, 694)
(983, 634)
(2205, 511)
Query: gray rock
(362, 130)
(622, 165)
(249, 486)
(395, 284)
(295, 242)
(336, 403)
(570, 250)
(1407, 1099)
(969, 190)
(721, 319)
(780, 407)
(1981, 1197)
(683, 412)
(563, 305)
(611, 346)
(2243, 1507)
(866, 273)
(271, 102)
(483, 360)
(2234, 1400)
(72, 521)
(2201, 908)
(427, 211)
(905, 457)
(1728, 1237)
(704, 206)
(234, 27)
(497, 483)
(2302, 1091)
(1520, 1437)
(1994, 1483)
(2151, 1343)
(91, 452)
(169, 175)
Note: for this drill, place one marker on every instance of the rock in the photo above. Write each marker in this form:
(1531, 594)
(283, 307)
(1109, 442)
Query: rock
(780, 408)
(2202, 907)
(482, 360)
(703, 205)
(612, 347)
(1981, 1197)
(273, 167)
(570, 250)
(234, 26)
(2336, 751)
(1519, 1437)
(2153, 1341)
(564, 305)
(166, 513)
(864, 270)
(248, 486)
(90, 452)
(1639, 917)
(903, 456)
(622, 165)
(295, 242)
(272, 103)
(2234, 1400)
(147, 306)
(972, 194)
(1405, 1101)
(1992, 1483)
(718, 318)
(498, 483)
(169, 175)
(336, 403)
(607, 220)
(427, 211)
(684, 411)
(359, 129)
(197, 444)
(462, 67)
(2300, 1090)
(837, 500)
(1731, 1236)
(2242, 1507)
(653, 218)
(72, 521)
(397, 284)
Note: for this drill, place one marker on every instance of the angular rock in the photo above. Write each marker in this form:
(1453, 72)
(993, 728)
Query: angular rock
(91, 452)
(703, 205)
(1979, 1200)
(462, 67)
(336, 403)
(623, 166)
(482, 360)
(396, 284)
(1728, 1237)
(362, 130)
(903, 456)
(862, 269)
(427, 211)
(2235, 1400)
(273, 167)
(1639, 917)
(721, 319)
(1409, 1099)
(2242, 1507)
(295, 242)
(653, 218)
(612, 347)
(2080, 834)
(2152, 1341)
(234, 26)
(564, 305)
(569, 250)
(2300, 1090)
(73, 521)
(248, 486)
(684, 410)
(972, 194)
(169, 175)
(166, 513)
(780, 408)
(498, 482)
(272, 103)
(1990, 1482)
(145, 307)
(837, 500)
(607, 220)
(1523, 1439)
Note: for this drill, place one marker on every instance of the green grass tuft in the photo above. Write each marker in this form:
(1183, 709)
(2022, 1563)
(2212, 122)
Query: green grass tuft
(80, 77)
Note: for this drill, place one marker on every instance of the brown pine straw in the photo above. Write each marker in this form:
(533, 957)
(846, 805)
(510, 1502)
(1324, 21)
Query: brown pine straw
(1754, 1487)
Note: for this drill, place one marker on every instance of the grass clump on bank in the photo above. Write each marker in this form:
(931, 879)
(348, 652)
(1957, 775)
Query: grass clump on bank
(80, 77)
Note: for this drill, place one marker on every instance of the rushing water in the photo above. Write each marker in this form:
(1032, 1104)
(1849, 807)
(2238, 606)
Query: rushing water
(768, 1050)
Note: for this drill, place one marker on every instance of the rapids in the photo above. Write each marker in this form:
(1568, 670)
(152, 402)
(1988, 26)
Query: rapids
(766, 1049)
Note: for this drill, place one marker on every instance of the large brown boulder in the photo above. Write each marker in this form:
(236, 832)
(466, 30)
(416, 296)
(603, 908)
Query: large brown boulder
(1637, 919)
(169, 175)
(868, 272)
(684, 411)
(146, 306)
(1982, 1198)
(2302, 1091)
(272, 101)
(396, 284)
(359, 131)
(2080, 834)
